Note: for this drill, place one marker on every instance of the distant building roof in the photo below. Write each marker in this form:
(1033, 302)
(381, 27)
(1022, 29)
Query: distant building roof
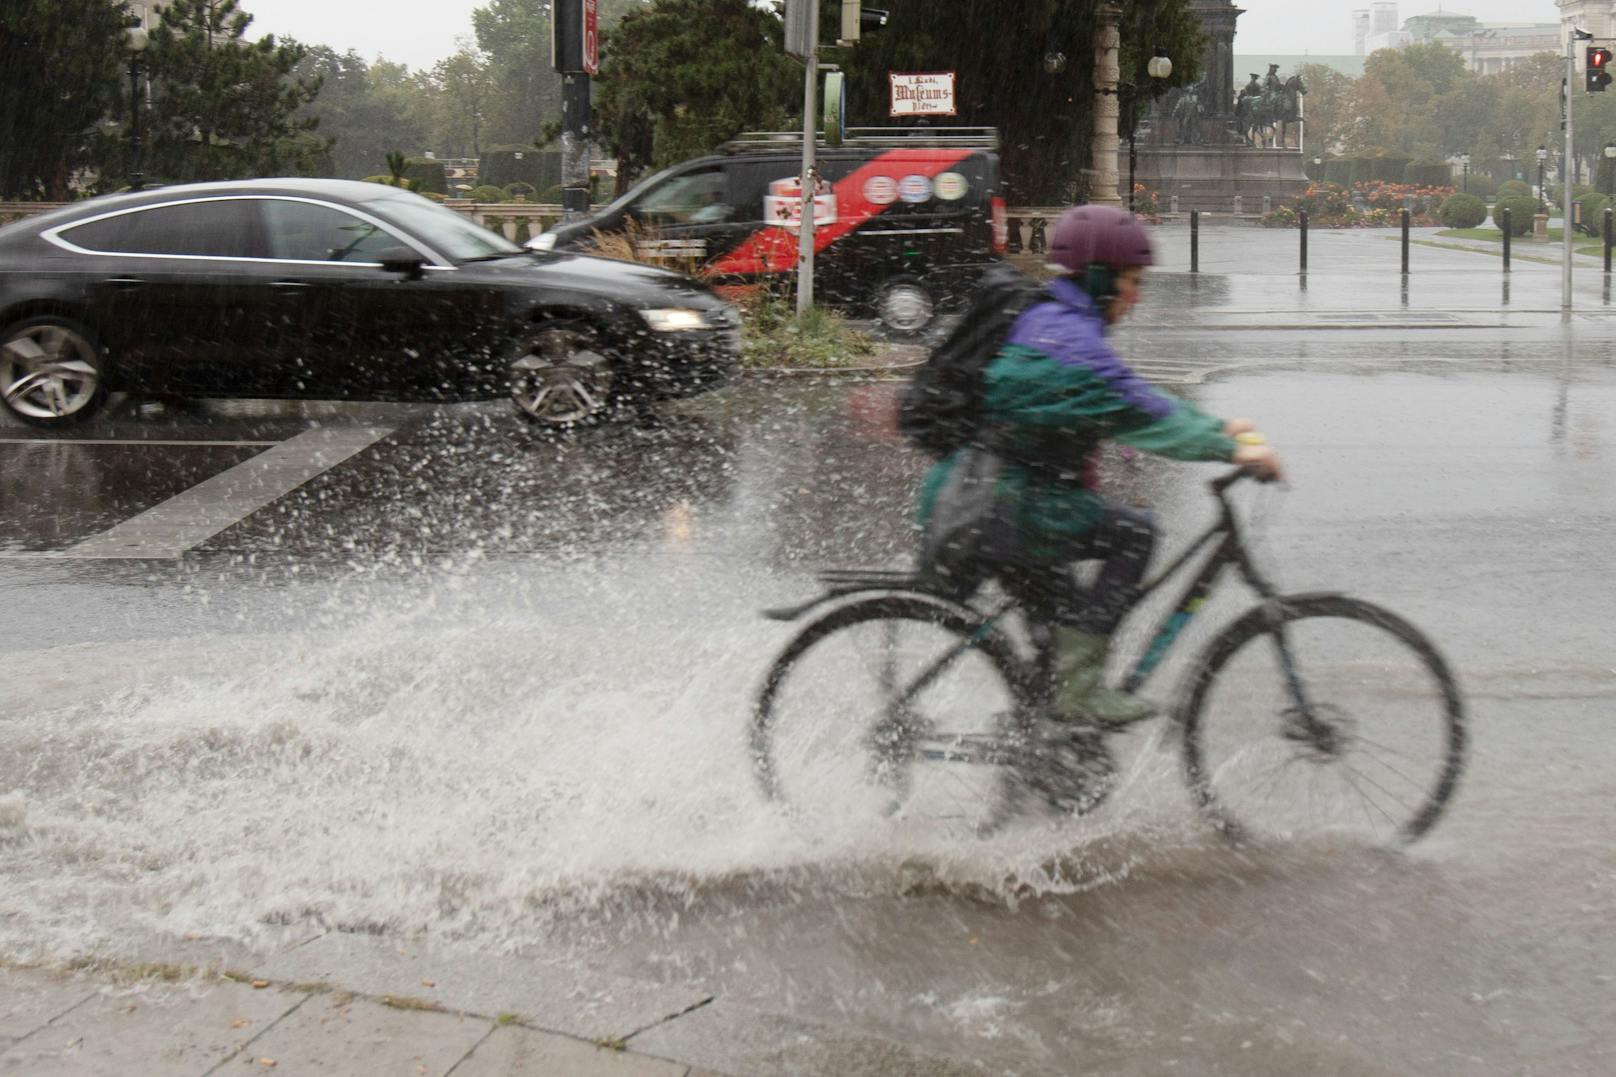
(1347, 65)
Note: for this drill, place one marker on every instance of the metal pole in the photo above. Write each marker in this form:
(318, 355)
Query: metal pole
(1195, 241)
(574, 146)
(1565, 184)
(810, 171)
(1301, 219)
(136, 179)
(1404, 215)
(1509, 231)
(1609, 214)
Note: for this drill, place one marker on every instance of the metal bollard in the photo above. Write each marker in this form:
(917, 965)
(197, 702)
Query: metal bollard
(1610, 235)
(1509, 231)
(1195, 241)
(1301, 222)
(1013, 243)
(1405, 216)
(1038, 244)
(1239, 205)
(1172, 204)
(1267, 204)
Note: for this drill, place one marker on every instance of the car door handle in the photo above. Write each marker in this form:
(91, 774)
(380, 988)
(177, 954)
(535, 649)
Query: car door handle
(291, 286)
(126, 284)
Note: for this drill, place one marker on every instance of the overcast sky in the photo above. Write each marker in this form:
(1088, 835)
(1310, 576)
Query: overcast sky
(421, 32)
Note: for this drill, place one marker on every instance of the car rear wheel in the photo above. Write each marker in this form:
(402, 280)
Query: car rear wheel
(562, 377)
(905, 306)
(51, 371)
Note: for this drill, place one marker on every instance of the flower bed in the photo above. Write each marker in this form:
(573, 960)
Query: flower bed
(1374, 204)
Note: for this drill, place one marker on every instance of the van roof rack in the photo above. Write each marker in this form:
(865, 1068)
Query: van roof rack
(875, 137)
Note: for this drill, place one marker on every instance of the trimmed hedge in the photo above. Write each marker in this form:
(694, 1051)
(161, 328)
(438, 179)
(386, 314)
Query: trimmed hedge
(1462, 211)
(1338, 171)
(1428, 174)
(428, 175)
(487, 193)
(1593, 211)
(1479, 184)
(536, 168)
(1514, 189)
(1521, 211)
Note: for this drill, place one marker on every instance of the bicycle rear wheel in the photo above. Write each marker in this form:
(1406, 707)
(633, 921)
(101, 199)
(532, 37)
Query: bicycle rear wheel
(1367, 745)
(894, 706)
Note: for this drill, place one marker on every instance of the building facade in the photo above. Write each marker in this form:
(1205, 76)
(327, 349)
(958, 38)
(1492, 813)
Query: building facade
(1598, 17)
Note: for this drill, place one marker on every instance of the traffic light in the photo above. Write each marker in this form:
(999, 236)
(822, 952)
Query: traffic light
(856, 20)
(1596, 75)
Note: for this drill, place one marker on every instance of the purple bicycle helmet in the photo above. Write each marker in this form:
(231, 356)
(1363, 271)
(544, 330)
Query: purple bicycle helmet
(1086, 236)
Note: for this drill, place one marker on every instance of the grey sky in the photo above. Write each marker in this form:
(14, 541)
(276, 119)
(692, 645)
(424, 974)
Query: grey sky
(421, 33)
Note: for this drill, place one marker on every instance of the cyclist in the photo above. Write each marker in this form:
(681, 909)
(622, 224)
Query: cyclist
(1026, 507)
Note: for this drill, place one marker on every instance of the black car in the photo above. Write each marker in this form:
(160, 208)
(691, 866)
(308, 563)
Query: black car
(333, 289)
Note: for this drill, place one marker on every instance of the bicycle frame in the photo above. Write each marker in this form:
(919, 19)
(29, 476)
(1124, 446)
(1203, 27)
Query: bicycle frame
(1230, 550)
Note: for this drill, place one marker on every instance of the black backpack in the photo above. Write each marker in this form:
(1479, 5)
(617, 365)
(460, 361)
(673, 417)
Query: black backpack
(942, 407)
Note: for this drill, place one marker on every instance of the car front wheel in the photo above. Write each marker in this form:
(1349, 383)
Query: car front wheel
(51, 371)
(905, 306)
(562, 377)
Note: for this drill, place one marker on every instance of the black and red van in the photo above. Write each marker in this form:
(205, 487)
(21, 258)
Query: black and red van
(904, 222)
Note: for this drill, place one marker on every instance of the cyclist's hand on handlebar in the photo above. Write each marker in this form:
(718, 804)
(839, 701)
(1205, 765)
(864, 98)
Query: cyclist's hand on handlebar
(1262, 461)
(1235, 427)
(1257, 456)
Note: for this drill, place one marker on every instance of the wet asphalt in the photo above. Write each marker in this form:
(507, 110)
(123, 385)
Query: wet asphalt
(483, 690)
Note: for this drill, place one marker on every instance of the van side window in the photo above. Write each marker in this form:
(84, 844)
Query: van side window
(693, 198)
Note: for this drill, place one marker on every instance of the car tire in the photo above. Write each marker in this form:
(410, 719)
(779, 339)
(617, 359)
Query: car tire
(905, 306)
(562, 377)
(52, 371)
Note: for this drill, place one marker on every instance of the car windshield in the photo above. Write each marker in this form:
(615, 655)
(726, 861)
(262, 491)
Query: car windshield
(459, 238)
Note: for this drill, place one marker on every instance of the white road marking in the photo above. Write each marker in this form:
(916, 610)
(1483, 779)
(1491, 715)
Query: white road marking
(187, 520)
(131, 441)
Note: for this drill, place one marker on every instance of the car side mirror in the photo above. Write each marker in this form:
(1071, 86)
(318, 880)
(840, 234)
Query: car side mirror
(403, 261)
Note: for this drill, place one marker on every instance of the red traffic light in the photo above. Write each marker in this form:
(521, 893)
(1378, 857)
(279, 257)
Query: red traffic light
(1598, 57)
(1596, 75)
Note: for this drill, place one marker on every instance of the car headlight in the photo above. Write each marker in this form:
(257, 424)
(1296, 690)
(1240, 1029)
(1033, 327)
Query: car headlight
(674, 319)
(544, 241)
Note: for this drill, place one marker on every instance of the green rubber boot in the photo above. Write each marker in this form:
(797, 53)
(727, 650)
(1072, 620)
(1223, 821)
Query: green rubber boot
(1080, 690)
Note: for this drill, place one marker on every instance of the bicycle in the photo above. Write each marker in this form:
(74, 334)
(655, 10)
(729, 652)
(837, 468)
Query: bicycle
(971, 708)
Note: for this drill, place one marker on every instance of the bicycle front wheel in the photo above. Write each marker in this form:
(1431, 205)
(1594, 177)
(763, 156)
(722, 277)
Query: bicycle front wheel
(893, 706)
(1333, 717)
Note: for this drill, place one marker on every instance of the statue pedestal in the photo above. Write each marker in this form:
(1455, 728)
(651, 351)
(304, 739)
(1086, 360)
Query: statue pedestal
(1540, 228)
(1209, 178)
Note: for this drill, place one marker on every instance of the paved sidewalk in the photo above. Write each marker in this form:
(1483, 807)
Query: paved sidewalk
(205, 1023)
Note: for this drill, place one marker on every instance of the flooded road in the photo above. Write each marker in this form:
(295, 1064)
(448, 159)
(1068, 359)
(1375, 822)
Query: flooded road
(472, 692)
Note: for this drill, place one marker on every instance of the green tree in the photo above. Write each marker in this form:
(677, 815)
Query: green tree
(682, 76)
(1329, 106)
(361, 115)
(462, 90)
(1028, 70)
(60, 68)
(224, 107)
(514, 36)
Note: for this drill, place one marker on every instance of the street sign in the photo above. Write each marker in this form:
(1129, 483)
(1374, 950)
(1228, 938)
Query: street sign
(922, 93)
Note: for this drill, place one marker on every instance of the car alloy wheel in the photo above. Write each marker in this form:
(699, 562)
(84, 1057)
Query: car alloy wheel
(50, 371)
(905, 306)
(562, 378)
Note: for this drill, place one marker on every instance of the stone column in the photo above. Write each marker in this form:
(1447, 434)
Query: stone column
(1107, 109)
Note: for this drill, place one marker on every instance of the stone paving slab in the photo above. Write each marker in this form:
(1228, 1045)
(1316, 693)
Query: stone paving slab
(151, 1028)
(338, 1035)
(591, 1006)
(731, 1038)
(513, 1051)
(29, 1000)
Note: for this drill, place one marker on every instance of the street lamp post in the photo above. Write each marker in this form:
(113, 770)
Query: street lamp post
(1159, 67)
(135, 40)
(1542, 156)
(1464, 159)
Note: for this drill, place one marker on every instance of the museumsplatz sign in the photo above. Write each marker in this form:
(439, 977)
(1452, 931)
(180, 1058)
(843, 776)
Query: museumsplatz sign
(922, 93)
